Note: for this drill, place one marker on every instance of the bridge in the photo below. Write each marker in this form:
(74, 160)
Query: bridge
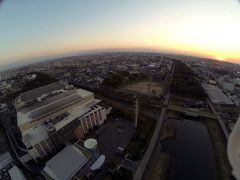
(191, 111)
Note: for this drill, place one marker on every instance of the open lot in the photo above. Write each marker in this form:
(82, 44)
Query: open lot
(115, 133)
(142, 88)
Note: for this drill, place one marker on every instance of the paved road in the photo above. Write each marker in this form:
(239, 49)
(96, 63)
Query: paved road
(154, 141)
(141, 171)
(153, 146)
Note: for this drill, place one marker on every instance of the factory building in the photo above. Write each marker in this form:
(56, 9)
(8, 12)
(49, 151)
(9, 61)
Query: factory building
(220, 101)
(56, 114)
(16, 174)
(74, 162)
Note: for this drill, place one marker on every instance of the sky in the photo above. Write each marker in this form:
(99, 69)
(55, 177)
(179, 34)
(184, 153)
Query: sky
(31, 29)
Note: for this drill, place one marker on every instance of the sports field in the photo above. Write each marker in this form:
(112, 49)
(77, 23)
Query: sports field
(145, 87)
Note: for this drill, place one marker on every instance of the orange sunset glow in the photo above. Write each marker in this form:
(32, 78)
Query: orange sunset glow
(208, 28)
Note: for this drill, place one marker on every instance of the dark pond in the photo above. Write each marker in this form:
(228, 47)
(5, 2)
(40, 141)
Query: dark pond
(191, 151)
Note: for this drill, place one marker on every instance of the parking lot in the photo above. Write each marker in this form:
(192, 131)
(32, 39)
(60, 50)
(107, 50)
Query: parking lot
(114, 135)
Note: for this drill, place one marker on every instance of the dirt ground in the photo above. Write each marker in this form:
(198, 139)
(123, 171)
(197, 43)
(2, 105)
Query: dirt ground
(155, 89)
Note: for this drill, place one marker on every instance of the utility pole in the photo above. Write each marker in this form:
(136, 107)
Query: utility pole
(148, 89)
(110, 66)
(93, 74)
(136, 109)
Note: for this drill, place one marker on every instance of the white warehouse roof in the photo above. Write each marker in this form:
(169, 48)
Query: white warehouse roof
(216, 95)
(16, 174)
(65, 164)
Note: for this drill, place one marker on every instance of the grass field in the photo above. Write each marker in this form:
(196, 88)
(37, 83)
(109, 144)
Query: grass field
(155, 89)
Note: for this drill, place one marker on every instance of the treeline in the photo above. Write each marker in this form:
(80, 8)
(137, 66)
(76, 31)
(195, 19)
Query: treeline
(40, 80)
(115, 80)
(185, 84)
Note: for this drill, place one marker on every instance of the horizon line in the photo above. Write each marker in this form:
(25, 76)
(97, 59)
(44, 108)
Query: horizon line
(22, 63)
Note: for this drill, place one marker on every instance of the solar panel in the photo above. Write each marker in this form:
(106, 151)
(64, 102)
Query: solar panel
(34, 93)
(55, 106)
(47, 101)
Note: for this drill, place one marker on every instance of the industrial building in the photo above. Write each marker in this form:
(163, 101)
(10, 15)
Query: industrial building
(5, 160)
(221, 102)
(216, 95)
(56, 114)
(74, 161)
(16, 174)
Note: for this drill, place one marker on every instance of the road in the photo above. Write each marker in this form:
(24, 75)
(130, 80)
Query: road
(153, 145)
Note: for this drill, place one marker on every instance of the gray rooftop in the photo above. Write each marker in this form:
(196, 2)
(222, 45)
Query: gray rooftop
(216, 95)
(5, 158)
(55, 106)
(51, 105)
(47, 101)
(66, 163)
(37, 92)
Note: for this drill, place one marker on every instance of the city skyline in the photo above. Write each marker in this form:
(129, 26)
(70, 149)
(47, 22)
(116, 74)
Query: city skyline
(40, 30)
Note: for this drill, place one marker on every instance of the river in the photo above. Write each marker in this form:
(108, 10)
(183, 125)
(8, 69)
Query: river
(191, 151)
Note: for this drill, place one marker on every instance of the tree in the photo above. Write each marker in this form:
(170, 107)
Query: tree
(154, 92)
(185, 83)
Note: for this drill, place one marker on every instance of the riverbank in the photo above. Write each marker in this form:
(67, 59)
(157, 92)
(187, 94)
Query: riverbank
(161, 168)
(191, 151)
(168, 132)
(219, 145)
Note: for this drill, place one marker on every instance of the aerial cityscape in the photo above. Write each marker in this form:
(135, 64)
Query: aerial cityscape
(118, 108)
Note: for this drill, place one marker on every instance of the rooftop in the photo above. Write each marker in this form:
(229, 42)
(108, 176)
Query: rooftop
(36, 135)
(50, 105)
(5, 159)
(37, 92)
(16, 173)
(216, 95)
(66, 163)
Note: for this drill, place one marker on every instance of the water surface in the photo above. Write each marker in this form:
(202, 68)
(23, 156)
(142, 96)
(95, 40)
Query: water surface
(191, 151)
